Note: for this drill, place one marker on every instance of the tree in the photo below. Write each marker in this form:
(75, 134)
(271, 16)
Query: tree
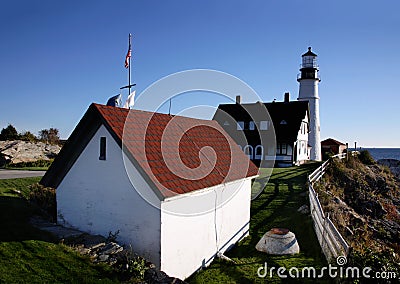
(49, 135)
(28, 136)
(9, 133)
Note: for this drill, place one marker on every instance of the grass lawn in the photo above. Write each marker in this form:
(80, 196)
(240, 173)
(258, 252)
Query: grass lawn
(275, 207)
(29, 168)
(29, 255)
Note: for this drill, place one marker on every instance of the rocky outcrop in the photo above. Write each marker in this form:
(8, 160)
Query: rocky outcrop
(393, 165)
(363, 201)
(13, 152)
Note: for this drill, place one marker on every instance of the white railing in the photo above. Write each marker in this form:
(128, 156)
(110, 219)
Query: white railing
(331, 241)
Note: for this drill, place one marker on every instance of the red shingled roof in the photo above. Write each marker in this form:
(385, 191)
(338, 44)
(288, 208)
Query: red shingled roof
(174, 154)
(331, 141)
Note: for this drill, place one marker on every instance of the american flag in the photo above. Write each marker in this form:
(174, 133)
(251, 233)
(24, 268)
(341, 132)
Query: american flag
(128, 55)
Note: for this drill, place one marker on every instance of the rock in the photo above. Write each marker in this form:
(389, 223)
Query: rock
(337, 200)
(89, 241)
(393, 165)
(392, 229)
(278, 242)
(304, 209)
(389, 162)
(111, 248)
(103, 257)
(154, 276)
(355, 218)
(13, 152)
(375, 208)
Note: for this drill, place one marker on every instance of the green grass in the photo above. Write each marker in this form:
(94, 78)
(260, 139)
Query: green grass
(8, 186)
(275, 207)
(28, 168)
(29, 255)
(34, 261)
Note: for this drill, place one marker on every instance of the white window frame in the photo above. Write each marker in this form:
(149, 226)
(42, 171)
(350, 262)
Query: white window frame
(240, 125)
(252, 125)
(264, 125)
(258, 156)
(250, 151)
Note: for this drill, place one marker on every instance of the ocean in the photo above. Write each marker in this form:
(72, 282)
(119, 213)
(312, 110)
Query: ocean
(384, 153)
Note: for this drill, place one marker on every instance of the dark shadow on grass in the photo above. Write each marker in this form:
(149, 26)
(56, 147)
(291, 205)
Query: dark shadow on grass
(276, 213)
(267, 201)
(14, 221)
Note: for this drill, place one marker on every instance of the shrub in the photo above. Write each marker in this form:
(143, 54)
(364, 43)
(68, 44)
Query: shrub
(34, 164)
(377, 260)
(366, 158)
(28, 136)
(44, 198)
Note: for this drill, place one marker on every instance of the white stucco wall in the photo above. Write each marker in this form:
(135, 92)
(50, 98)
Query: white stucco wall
(190, 242)
(97, 197)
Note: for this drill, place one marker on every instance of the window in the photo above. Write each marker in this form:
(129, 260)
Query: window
(264, 125)
(259, 152)
(248, 150)
(251, 125)
(283, 122)
(240, 125)
(281, 149)
(102, 148)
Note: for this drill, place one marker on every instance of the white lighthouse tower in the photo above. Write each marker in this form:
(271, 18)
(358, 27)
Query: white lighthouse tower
(308, 91)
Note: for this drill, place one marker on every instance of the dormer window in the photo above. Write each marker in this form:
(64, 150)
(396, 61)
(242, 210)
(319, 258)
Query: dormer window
(103, 142)
(264, 125)
(251, 125)
(240, 125)
(283, 122)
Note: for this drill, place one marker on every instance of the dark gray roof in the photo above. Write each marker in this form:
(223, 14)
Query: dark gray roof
(292, 113)
(309, 53)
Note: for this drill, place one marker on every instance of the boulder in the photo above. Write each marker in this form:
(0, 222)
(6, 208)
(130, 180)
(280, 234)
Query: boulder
(304, 209)
(278, 241)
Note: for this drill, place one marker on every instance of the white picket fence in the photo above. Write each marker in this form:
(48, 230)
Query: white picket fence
(331, 241)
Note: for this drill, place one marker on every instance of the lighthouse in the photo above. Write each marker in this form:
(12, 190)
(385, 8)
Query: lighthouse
(308, 91)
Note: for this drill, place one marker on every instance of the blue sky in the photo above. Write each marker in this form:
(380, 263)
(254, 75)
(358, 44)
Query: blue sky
(57, 57)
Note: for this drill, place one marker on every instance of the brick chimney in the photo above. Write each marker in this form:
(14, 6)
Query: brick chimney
(287, 97)
(238, 99)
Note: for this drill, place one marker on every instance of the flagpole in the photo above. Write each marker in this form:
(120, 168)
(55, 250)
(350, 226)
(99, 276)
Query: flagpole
(129, 69)
(128, 66)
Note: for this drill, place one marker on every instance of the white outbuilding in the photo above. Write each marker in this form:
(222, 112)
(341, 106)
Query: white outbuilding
(177, 189)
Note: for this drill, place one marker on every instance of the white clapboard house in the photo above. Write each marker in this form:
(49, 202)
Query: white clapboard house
(254, 126)
(177, 189)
